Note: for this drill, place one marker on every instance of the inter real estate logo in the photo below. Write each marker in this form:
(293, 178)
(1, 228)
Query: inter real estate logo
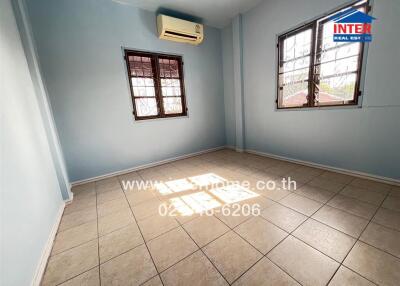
(352, 26)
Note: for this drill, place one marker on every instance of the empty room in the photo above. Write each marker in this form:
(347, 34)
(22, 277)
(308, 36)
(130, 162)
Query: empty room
(225, 142)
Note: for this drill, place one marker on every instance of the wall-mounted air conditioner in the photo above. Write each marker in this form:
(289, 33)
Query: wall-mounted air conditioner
(178, 30)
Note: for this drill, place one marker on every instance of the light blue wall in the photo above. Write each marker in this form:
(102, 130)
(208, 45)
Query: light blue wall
(79, 47)
(30, 191)
(229, 92)
(365, 139)
(29, 45)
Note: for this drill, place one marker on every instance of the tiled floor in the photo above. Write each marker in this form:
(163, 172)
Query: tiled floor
(333, 229)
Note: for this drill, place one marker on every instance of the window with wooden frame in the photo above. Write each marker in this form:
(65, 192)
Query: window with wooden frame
(315, 71)
(157, 86)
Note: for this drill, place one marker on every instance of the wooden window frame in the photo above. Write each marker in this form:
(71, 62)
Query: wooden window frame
(315, 49)
(157, 83)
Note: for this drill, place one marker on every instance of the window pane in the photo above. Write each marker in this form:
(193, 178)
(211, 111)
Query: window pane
(143, 87)
(146, 106)
(297, 45)
(172, 105)
(339, 67)
(143, 91)
(340, 53)
(296, 64)
(337, 89)
(138, 81)
(295, 76)
(168, 68)
(294, 94)
(141, 66)
(171, 87)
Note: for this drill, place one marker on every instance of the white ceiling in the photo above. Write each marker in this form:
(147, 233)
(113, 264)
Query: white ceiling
(216, 13)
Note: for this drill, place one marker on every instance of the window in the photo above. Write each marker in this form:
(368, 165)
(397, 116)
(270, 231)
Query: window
(315, 71)
(157, 86)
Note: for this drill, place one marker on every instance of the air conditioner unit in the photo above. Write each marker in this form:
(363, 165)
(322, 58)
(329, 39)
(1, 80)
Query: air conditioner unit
(178, 30)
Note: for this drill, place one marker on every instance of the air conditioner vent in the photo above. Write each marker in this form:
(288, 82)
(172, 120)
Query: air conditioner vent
(178, 30)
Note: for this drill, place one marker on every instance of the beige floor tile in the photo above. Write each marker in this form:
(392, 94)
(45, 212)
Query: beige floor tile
(126, 260)
(299, 177)
(383, 238)
(371, 185)
(83, 188)
(265, 273)
(232, 215)
(275, 195)
(155, 225)
(108, 188)
(148, 208)
(340, 220)
(327, 185)
(388, 218)
(195, 270)
(336, 177)
(184, 218)
(89, 278)
(395, 191)
(107, 183)
(155, 281)
(281, 169)
(374, 264)
(283, 217)
(345, 276)
(353, 206)
(138, 197)
(133, 176)
(259, 201)
(392, 203)
(205, 229)
(301, 204)
(315, 193)
(364, 195)
(309, 170)
(109, 196)
(303, 263)
(74, 236)
(171, 247)
(77, 218)
(80, 203)
(260, 233)
(231, 255)
(115, 221)
(119, 241)
(84, 194)
(71, 263)
(110, 207)
(131, 268)
(329, 241)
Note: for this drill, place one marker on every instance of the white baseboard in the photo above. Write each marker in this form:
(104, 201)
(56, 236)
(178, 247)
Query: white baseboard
(71, 197)
(145, 166)
(47, 249)
(230, 147)
(358, 174)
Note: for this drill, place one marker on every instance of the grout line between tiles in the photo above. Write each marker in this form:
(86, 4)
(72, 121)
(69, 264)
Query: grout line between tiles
(134, 217)
(201, 248)
(358, 239)
(290, 234)
(90, 269)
